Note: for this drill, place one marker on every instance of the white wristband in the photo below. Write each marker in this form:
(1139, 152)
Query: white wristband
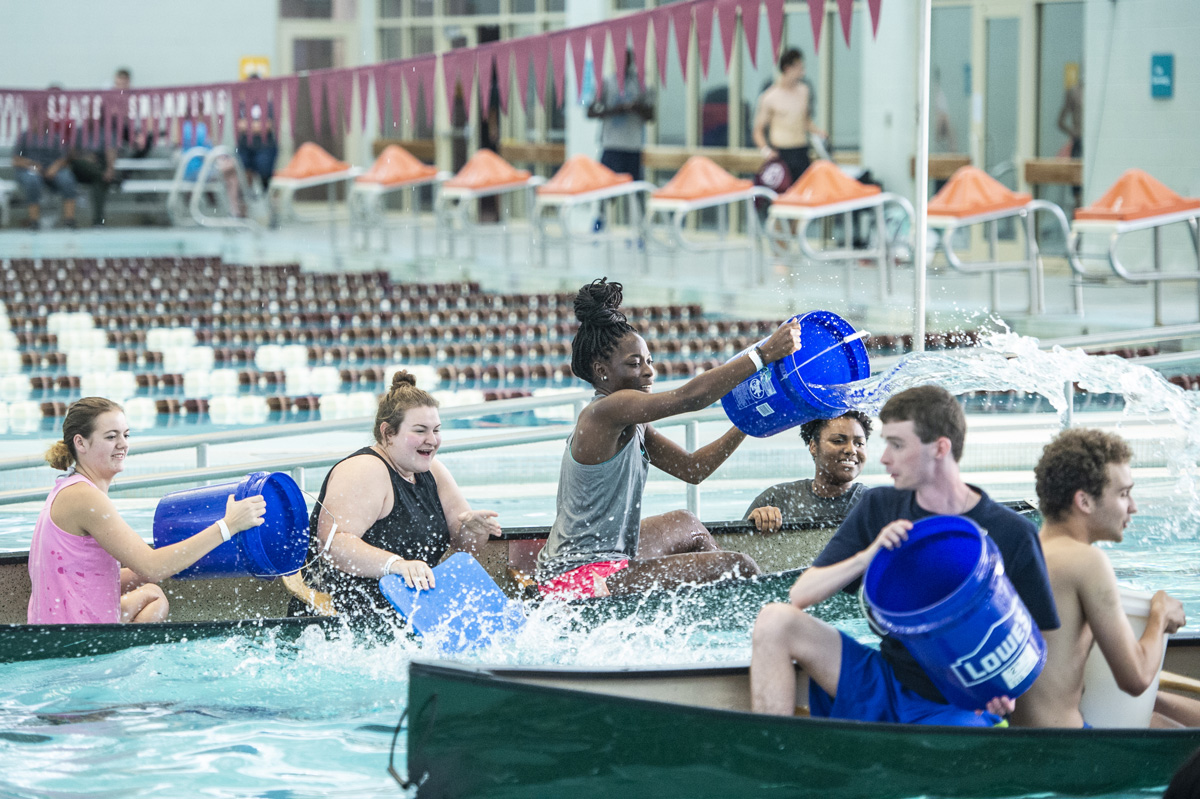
(755, 358)
(224, 528)
(387, 564)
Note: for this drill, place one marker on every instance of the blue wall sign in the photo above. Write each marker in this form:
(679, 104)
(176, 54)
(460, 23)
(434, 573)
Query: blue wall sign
(1162, 75)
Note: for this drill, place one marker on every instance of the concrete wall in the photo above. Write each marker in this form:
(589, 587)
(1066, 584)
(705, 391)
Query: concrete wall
(889, 97)
(79, 44)
(1123, 126)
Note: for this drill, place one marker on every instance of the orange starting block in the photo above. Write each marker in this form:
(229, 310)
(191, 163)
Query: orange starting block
(1136, 202)
(584, 183)
(698, 185)
(824, 191)
(311, 166)
(484, 175)
(396, 169)
(973, 197)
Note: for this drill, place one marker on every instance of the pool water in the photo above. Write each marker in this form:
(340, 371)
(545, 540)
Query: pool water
(316, 717)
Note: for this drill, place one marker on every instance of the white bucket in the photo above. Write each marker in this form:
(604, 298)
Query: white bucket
(1106, 705)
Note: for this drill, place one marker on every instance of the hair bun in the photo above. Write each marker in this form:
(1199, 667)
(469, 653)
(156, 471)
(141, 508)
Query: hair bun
(403, 378)
(598, 303)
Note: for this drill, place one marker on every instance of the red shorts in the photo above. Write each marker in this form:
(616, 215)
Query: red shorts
(580, 583)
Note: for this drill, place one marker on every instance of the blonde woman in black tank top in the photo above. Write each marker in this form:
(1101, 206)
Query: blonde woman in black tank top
(392, 508)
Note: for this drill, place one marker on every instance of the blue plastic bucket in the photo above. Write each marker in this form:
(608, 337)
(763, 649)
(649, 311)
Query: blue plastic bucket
(804, 386)
(278, 546)
(945, 596)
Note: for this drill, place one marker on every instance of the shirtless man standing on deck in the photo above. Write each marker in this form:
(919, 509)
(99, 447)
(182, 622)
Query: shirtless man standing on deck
(782, 123)
(1084, 488)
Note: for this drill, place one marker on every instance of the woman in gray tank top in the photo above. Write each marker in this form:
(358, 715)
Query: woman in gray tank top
(599, 543)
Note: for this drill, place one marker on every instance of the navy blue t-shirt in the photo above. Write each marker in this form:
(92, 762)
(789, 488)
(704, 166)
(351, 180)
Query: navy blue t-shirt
(1015, 537)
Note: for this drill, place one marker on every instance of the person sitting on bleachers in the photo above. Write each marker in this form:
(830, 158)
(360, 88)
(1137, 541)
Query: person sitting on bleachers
(40, 159)
(256, 144)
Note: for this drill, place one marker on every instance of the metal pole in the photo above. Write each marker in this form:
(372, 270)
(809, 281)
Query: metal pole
(692, 441)
(922, 178)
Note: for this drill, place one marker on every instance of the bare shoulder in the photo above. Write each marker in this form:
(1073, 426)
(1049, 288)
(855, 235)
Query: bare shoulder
(361, 473)
(1075, 561)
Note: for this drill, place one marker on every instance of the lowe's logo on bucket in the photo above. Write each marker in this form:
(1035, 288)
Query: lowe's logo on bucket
(756, 388)
(1004, 652)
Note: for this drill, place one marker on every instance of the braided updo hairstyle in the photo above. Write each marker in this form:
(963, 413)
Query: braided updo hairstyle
(80, 421)
(601, 326)
(399, 399)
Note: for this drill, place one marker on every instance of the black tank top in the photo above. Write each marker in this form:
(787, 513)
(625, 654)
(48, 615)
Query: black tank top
(416, 529)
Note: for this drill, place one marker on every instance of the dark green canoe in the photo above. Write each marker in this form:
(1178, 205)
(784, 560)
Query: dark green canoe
(22, 642)
(685, 732)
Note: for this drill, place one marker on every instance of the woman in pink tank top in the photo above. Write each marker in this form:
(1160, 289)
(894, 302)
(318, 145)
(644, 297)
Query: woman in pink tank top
(85, 563)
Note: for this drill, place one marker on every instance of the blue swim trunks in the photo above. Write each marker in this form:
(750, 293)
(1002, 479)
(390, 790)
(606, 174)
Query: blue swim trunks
(869, 691)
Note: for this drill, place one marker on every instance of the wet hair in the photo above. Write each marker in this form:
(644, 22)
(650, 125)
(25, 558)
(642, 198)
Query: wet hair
(788, 57)
(811, 431)
(80, 421)
(601, 326)
(1076, 460)
(399, 400)
(934, 413)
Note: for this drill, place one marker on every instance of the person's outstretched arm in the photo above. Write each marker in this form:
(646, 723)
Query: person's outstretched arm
(691, 467)
(818, 583)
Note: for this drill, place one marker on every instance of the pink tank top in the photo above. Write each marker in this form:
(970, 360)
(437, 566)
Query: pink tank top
(74, 580)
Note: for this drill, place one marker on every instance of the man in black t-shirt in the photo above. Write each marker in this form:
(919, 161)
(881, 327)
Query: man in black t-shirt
(924, 429)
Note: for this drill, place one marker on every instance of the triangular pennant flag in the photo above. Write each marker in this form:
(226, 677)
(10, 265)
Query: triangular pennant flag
(874, 7)
(538, 53)
(775, 24)
(316, 95)
(485, 57)
(578, 38)
(639, 30)
(846, 15)
(749, 9)
(344, 81)
(394, 78)
(381, 75)
(662, 41)
(412, 87)
(598, 36)
(287, 95)
(704, 26)
(727, 17)
(522, 53)
(816, 15)
(455, 71)
(681, 18)
(504, 73)
(364, 89)
(558, 51)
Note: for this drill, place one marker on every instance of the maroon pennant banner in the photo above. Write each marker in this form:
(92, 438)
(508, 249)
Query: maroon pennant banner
(364, 91)
(381, 75)
(540, 57)
(816, 15)
(681, 18)
(288, 91)
(704, 26)
(846, 15)
(873, 6)
(749, 9)
(727, 18)
(342, 81)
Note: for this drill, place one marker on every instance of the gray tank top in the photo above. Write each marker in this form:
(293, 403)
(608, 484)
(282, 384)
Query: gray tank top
(599, 509)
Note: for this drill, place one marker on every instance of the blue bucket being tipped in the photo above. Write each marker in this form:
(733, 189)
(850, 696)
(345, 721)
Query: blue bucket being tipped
(804, 386)
(945, 596)
(276, 547)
